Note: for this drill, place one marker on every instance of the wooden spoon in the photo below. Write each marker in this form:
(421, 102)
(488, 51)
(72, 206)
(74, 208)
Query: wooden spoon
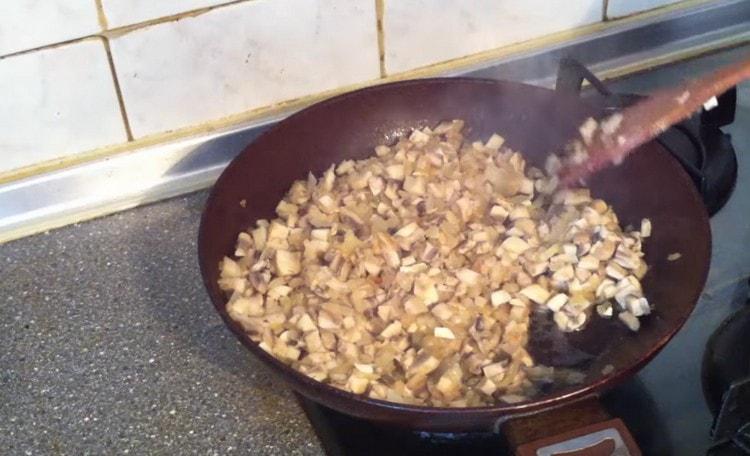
(611, 140)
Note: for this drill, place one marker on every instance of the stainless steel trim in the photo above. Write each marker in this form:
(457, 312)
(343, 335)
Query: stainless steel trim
(126, 180)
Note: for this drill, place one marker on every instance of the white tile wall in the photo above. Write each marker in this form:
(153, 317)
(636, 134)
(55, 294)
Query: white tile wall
(616, 8)
(26, 24)
(57, 102)
(422, 32)
(241, 57)
(125, 12)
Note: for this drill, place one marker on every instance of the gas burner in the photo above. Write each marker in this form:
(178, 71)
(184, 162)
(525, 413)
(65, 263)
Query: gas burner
(698, 143)
(345, 435)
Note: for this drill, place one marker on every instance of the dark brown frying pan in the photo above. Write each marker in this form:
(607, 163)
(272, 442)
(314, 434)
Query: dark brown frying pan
(534, 121)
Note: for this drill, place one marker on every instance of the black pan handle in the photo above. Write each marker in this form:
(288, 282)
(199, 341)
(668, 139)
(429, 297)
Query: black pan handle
(571, 74)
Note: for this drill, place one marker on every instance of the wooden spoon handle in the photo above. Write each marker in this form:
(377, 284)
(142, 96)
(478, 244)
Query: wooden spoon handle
(649, 118)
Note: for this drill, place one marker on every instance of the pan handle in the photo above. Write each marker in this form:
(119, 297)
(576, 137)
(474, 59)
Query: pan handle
(570, 76)
(583, 428)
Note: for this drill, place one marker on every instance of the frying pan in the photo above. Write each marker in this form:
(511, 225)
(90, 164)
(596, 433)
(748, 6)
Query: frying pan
(534, 121)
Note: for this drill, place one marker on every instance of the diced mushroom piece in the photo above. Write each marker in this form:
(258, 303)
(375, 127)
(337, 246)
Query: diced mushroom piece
(626, 259)
(499, 297)
(277, 232)
(604, 309)
(358, 384)
(364, 368)
(423, 365)
(495, 142)
(288, 263)
(325, 321)
(395, 172)
(230, 268)
(424, 288)
(637, 306)
(536, 293)
(536, 269)
(260, 235)
(382, 150)
(494, 370)
(515, 244)
(519, 212)
(674, 256)
(615, 271)
(407, 230)
(415, 306)
(630, 320)
(468, 277)
(576, 321)
(444, 333)
(244, 244)
(384, 312)
(603, 250)
(564, 274)
(320, 234)
(512, 398)
(390, 253)
(376, 185)
(579, 302)
(414, 185)
(557, 302)
(277, 291)
(589, 262)
(313, 342)
(419, 137)
(574, 197)
(645, 228)
(448, 387)
(487, 386)
(561, 320)
(587, 130)
(499, 213)
(305, 323)
(442, 311)
(606, 289)
(243, 309)
(393, 329)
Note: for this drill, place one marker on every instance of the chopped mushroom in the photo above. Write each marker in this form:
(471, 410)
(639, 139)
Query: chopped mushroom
(411, 276)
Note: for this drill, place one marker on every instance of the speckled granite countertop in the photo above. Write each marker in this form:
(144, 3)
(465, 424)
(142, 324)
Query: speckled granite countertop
(109, 345)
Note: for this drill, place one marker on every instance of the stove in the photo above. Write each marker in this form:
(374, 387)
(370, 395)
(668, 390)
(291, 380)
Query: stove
(706, 152)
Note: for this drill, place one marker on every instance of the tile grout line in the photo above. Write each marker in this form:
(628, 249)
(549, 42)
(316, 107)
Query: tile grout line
(118, 90)
(101, 16)
(605, 7)
(379, 14)
(124, 29)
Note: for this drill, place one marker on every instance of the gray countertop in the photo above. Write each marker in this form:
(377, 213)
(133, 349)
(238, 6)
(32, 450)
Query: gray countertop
(109, 345)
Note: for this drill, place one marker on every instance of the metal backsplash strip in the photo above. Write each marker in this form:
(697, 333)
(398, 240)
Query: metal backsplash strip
(152, 173)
